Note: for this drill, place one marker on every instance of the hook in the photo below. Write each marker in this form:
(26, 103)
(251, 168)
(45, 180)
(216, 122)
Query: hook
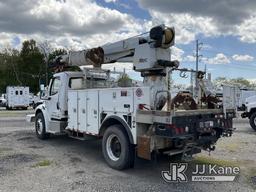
(183, 74)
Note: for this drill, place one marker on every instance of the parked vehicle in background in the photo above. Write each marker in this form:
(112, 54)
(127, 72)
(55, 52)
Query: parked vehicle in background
(243, 95)
(17, 97)
(250, 111)
(3, 100)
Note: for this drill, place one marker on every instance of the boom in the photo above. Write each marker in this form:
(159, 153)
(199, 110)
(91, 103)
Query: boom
(147, 53)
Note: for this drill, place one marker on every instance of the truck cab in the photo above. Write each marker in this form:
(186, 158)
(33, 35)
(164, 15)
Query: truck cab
(54, 107)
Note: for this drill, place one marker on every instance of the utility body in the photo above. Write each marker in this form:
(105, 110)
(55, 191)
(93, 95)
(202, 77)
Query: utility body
(131, 121)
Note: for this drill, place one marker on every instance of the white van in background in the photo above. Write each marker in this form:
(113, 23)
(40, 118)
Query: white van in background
(17, 97)
(3, 100)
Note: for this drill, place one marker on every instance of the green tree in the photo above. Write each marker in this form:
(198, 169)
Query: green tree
(124, 81)
(28, 66)
(31, 65)
(57, 52)
(239, 82)
(8, 68)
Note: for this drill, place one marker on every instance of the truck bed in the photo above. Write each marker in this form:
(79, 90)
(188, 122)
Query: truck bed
(152, 116)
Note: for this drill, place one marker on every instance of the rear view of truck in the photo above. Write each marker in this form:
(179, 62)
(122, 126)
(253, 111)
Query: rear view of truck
(186, 132)
(17, 97)
(130, 122)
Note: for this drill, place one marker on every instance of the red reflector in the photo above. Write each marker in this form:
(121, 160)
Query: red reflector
(141, 106)
(177, 130)
(171, 126)
(181, 130)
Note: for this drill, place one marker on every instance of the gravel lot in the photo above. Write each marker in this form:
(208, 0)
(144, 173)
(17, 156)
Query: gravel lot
(65, 164)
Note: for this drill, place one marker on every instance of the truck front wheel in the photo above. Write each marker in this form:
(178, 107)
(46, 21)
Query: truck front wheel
(40, 127)
(116, 148)
(253, 121)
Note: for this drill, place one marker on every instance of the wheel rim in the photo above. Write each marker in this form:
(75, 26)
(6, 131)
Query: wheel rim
(113, 147)
(39, 126)
(254, 120)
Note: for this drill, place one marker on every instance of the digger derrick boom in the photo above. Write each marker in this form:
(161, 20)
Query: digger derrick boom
(146, 52)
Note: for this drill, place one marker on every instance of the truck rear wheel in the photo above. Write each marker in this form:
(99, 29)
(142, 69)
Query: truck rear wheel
(253, 121)
(40, 127)
(116, 148)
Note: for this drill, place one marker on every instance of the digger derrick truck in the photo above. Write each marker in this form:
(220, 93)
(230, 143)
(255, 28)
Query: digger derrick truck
(130, 121)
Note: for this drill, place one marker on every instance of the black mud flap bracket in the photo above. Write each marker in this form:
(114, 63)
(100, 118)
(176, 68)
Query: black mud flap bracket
(189, 151)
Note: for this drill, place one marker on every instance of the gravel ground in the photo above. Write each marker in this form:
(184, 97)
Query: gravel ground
(65, 164)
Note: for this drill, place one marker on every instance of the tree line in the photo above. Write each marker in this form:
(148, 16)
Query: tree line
(240, 82)
(27, 66)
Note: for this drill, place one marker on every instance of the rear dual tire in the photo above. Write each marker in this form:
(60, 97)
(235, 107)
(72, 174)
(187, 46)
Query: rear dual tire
(117, 149)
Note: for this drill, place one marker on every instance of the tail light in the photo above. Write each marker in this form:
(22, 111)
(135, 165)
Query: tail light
(142, 107)
(177, 130)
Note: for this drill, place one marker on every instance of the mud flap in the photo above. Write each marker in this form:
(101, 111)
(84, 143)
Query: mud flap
(144, 147)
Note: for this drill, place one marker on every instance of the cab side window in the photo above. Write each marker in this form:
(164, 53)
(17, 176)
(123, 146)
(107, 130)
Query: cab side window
(55, 86)
(75, 83)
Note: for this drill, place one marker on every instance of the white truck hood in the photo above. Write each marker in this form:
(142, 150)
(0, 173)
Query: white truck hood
(250, 99)
(250, 103)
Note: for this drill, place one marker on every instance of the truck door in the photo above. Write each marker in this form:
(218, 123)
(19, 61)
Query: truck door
(229, 97)
(52, 103)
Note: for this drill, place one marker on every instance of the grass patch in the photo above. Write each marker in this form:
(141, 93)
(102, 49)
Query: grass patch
(231, 147)
(43, 163)
(212, 161)
(10, 115)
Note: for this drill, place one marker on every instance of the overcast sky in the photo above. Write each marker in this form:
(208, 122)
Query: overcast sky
(227, 28)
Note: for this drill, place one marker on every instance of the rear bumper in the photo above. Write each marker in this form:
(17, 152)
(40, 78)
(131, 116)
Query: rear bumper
(202, 130)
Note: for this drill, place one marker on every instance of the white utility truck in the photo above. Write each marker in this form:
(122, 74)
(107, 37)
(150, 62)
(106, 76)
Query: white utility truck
(132, 121)
(243, 95)
(250, 111)
(17, 97)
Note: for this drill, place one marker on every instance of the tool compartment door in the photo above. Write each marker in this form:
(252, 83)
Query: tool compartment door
(82, 114)
(117, 100)
(92, 104)
(229, 97)
(72, 110)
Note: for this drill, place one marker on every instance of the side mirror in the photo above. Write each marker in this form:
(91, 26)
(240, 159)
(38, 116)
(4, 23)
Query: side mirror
(44, 93)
